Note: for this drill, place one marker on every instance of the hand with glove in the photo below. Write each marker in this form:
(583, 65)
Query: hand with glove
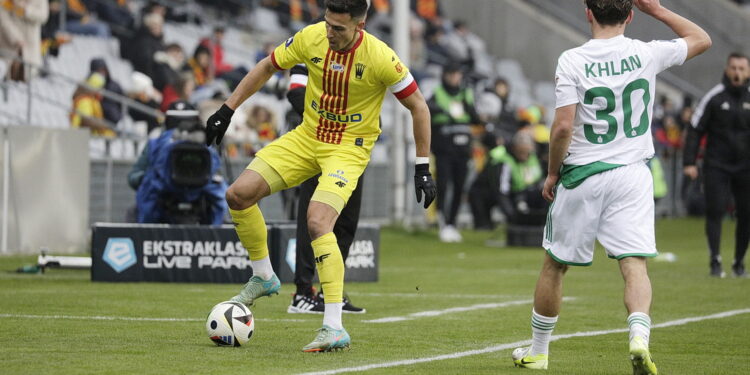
(217, 125)
(423, 183)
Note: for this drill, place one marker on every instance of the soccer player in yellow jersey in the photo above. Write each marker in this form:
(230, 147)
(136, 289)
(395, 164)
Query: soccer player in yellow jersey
(349, 73)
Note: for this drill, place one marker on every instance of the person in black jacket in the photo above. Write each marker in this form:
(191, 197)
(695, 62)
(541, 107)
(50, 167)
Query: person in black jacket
(305, 300)
(453, 112)
(724, 117)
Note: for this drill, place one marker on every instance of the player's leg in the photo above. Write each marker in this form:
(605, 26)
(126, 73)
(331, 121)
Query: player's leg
(304, 299)
(637, 298)
(292, 155)
(341, 167)
(717, 190)
(569, 235)
(321, 218)
(243, 197)
(345, 230)
(741, 192)
(627, 233)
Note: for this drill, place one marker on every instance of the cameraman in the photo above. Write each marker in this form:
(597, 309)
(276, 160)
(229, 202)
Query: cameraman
(163, 178)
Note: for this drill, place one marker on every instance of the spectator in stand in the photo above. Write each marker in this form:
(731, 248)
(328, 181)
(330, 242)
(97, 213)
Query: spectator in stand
(686, 113)
(181, 90)
(512, 181)
(222, 69)
(87, 108)
(115, 13)
(215, 44)
(495, 109)
(143, 92)
(452, 113)
(428, 10)
(170, 13)
(465, 47)
(52, 36)
(168, 64)
(302, 13)
(435, 48)
(20, 30)
(80, 21)
(112, 108)
(148, 40)
(257, 130)
(201, 66)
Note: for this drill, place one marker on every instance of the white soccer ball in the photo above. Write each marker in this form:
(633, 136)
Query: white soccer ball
(230, 324)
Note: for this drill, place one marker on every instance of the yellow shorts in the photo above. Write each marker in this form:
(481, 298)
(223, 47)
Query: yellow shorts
(295, 157)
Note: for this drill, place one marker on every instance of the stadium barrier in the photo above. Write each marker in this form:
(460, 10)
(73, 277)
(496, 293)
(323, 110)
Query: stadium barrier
(210, 254)
(45, 189)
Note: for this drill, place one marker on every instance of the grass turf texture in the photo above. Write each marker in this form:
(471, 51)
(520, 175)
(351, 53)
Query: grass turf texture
(414, 264)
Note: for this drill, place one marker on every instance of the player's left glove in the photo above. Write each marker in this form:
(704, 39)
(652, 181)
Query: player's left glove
(217, 124)
(423, 183)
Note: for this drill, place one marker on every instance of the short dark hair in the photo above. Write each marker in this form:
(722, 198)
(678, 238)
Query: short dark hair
(355, 8)
(738, 55)
(610, 12)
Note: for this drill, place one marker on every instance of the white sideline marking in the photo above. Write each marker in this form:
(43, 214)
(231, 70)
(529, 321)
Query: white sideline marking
(435, 295)
(127, 318)
(497, 348)
(429, 313)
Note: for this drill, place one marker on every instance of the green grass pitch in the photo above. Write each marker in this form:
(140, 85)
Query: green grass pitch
(418, 273)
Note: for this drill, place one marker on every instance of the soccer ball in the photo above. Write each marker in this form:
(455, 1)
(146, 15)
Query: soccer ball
(230, 324)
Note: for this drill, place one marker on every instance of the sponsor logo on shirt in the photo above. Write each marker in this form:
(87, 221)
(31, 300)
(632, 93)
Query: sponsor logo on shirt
(336, 67)
(316, 60)
(347, 118)
(359, 70)
(289, 42)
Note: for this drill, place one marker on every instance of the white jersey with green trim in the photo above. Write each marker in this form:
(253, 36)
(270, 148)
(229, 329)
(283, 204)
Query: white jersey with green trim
(613, 83)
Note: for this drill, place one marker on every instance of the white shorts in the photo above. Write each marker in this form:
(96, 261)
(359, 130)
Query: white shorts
(615, 207)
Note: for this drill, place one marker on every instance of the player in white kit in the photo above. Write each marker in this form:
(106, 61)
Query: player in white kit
(599, 184)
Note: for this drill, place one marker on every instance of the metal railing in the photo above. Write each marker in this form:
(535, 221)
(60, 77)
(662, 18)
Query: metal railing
(125, 102)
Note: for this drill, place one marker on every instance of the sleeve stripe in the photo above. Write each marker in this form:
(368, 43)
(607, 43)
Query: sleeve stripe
(296, 86)
(402, 84)
(273, 61)
(297, 80)
(407, 91)
(702, 105)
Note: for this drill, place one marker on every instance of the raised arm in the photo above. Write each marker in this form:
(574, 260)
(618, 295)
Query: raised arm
(698, 41)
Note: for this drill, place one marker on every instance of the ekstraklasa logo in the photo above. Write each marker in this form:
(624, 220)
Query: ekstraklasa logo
(119, 253)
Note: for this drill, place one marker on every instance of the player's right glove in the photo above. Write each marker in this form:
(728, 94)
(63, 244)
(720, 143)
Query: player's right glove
(217, 125)
(423, 183)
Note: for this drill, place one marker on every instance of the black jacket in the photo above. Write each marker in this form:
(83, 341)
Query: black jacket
(724, 116)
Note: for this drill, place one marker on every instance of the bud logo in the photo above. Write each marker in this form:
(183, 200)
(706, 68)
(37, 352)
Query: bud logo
(355, 117)
(119, 254)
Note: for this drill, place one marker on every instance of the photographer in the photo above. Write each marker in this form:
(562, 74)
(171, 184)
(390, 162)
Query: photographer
(176, 176)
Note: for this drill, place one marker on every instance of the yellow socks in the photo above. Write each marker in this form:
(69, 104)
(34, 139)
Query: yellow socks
(330, 267)
(251, 229)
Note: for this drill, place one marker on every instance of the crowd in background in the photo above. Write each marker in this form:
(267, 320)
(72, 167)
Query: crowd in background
(503, 148)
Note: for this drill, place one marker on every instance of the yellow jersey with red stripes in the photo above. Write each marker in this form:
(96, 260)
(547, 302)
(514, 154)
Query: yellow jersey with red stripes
(345, 90)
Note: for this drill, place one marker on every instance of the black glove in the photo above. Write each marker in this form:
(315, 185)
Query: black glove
(217, 124)
(423, 183)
